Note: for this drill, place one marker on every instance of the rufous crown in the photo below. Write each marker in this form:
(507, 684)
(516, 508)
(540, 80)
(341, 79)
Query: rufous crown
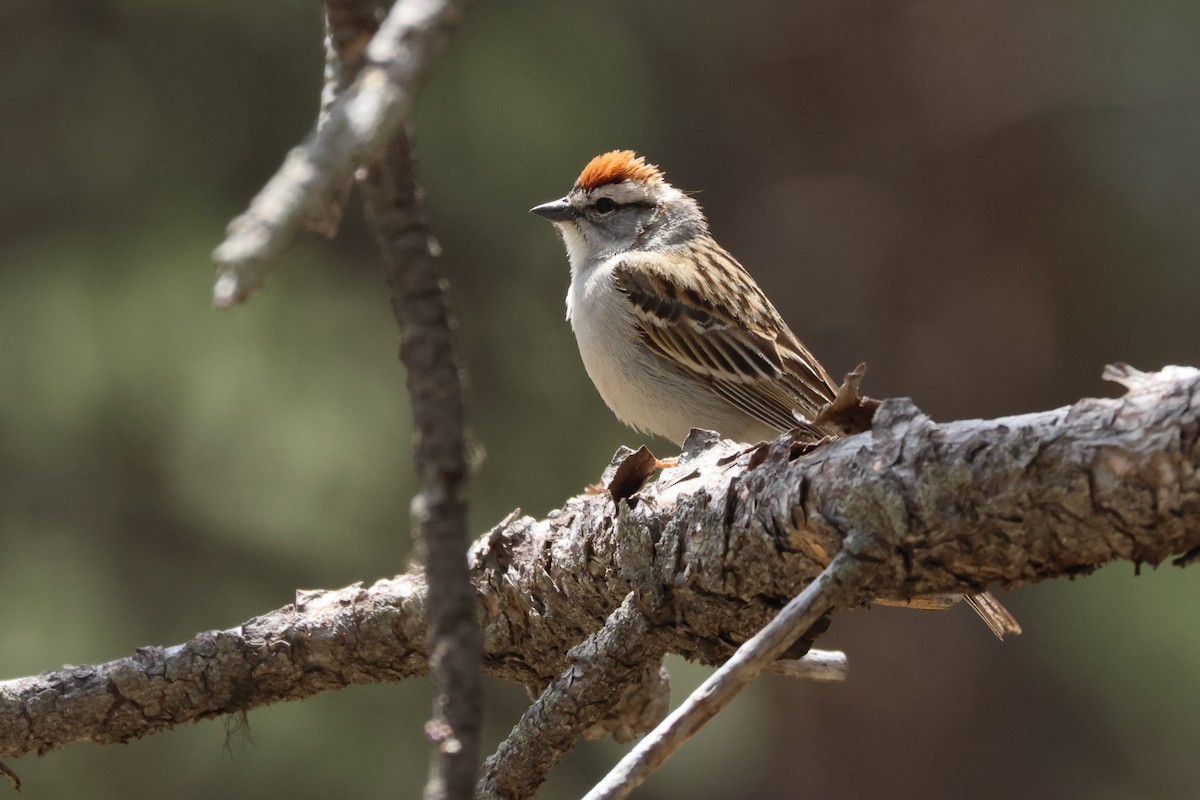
(617, 166)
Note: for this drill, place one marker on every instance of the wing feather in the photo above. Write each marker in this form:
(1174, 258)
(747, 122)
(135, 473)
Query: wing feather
(744, 352)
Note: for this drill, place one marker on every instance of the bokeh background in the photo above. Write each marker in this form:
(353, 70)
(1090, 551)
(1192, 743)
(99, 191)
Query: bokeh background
(986, 201)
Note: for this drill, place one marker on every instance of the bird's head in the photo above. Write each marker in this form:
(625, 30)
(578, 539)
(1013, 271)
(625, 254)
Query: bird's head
(620, 203)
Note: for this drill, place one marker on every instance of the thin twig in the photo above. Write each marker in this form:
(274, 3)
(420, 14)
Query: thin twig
(12, 777)
(356, 128)
(823, 666)
(727, 682)
(392, 202)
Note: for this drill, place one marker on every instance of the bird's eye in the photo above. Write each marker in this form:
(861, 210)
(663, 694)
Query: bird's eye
(605, 205)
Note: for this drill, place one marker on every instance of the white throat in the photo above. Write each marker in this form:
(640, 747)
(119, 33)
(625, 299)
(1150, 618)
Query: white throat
(583, 258)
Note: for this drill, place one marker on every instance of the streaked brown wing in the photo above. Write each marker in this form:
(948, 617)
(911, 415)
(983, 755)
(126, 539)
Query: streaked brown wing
(746, 355)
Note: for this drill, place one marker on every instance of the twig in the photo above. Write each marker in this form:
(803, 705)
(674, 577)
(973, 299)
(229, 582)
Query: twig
(349, 26)
(605, 669)
(356, 128)
(823, 666)
(12, 777)
(355, 123)
(826, 592)
(392, 202)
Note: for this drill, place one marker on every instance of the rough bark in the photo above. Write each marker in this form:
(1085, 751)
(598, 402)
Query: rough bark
(617, 666)
(827, 591)
(439, 513)
(718, 544)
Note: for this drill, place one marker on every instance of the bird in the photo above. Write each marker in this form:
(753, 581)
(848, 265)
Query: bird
(673, 330)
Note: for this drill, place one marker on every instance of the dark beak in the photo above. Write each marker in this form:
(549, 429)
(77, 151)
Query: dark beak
(556, 211)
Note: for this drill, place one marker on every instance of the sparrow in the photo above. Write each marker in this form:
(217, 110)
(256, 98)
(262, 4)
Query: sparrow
(672, 329)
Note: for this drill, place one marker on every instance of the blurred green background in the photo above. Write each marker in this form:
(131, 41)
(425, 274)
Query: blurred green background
(985, 201)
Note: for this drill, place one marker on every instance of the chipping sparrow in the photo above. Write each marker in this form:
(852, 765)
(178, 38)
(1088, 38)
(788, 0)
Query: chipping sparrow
(673, 331)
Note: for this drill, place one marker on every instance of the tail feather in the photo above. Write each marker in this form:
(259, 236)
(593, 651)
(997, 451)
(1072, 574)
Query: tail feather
(995, 615)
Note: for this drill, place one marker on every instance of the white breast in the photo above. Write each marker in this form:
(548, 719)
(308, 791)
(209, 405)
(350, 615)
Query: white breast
(637, 385)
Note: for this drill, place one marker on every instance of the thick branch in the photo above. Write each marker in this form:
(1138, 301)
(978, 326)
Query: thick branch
(324, 641)
(719, 543)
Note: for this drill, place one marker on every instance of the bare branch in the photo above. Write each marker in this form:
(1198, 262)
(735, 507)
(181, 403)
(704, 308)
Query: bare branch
(824, 666)
(324, 641)
(828, 591)
(394, 211)
(439, 514)
(719, 544)
(605, 670)
(349, 26)
(356, 128)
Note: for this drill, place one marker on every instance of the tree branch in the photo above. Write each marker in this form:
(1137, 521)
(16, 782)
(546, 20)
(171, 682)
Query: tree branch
(323, 641)
(349, 27)
(370, 77)
(439, 515)
(719, 544)
(823, 666)
(618, 664)
(352, 131)
(823, 594)
(392, 201)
